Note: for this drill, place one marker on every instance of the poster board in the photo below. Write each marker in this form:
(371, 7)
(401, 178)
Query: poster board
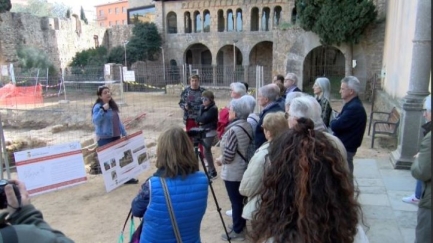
(123, 159)
(51, 168)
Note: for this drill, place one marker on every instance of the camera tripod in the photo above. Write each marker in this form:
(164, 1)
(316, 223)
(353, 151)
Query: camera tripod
(196, 142)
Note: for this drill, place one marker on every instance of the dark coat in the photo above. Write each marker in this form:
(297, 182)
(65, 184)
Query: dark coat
(349, 125)
(259, 135)
(208, 117)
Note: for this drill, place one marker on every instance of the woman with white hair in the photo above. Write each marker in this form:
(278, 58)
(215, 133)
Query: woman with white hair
(290, 97)
(307, 107)
(234, 146)
(421, 170)
(322, 92)
(237, 90)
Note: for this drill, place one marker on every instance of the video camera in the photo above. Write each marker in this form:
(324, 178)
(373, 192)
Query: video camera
(3, 199)
(197, 133)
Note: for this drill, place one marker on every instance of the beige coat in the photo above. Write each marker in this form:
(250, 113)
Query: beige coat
(252, 180)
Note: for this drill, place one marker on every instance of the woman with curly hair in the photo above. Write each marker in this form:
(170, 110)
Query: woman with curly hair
(307, 195)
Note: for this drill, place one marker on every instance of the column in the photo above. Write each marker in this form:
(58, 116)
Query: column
(411, 119)
(214, 74)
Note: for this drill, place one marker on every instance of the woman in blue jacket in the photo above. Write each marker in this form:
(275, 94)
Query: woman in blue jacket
(108, 126)
(188, 190)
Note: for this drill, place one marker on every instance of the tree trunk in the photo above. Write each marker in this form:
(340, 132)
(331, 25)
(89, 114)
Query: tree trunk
(349, 57)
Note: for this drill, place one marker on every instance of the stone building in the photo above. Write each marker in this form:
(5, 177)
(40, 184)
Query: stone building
(225, 40)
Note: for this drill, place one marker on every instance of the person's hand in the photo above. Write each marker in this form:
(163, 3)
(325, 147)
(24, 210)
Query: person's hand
(186, 106)
(106, 106)
(11, 198)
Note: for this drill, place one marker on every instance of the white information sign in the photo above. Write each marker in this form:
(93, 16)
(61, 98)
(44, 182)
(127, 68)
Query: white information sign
(122, 160)
(51, 168)
(129, 76)
(4, 70)
(107, 69)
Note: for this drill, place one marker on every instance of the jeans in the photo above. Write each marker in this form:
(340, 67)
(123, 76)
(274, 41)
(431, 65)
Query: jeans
(418, 189)
(237, 201)
(207, 144)
(104, 141)
(350, 156)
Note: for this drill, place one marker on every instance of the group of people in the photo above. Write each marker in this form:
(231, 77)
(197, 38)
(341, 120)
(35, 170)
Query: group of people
(297, 187)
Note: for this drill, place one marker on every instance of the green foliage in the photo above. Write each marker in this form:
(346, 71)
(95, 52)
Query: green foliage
(117, 55)
(30, 57)
(144, 44)
(83, 16)
(336, 21)
(41, 8)
(90, 57)
(5, 6)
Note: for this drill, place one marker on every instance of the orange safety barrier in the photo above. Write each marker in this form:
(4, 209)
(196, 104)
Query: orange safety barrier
(10, 94)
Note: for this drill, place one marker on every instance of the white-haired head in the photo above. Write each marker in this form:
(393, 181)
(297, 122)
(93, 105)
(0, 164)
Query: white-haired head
(325, 87)
(307, 107)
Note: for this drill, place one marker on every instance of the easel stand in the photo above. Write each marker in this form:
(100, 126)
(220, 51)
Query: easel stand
(196, 142)
(4, 161)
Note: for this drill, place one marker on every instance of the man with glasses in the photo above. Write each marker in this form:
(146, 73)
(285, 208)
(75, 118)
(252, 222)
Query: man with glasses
(190, 102)
(349, 125)
(290, 83)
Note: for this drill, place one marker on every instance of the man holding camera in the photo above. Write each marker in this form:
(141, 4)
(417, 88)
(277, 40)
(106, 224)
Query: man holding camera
(20, 221)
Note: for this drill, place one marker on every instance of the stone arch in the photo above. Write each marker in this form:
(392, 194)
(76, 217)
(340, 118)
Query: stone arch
(323, 61)
(206, 21)
(239, 20)
(266, 12)
(230, 21)
(277, 15)
(306, 42)
(254, 19)
(197, 22)
(227, 60)
(199, 56)
(172, 22)
(260, 55)
(294, 16)
(187, 22)
(221, 20)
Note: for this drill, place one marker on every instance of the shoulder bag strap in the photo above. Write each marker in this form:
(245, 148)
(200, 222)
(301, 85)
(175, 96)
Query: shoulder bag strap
(170, 210)
(237, 150)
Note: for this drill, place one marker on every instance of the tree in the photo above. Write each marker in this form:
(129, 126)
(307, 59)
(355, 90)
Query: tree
(144, 44)
(83, 16)
(30, 57)
(41, 8)
(5, 6)
(90, 57)
(337, 21)
(117, 55)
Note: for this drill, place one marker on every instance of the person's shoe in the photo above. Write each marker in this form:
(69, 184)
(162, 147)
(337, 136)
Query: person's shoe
(410, 199)
(234, 236)
(229, 213)
(212, 175)
(132, 181)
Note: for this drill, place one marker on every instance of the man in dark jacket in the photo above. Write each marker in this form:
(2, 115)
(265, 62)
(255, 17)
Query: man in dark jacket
(267, 99)
(349, 125)
(21, 222)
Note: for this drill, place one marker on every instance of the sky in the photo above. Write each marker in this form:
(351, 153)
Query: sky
(88, 5)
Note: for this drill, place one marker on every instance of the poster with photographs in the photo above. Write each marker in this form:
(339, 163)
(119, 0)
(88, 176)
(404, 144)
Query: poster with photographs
(122, 160)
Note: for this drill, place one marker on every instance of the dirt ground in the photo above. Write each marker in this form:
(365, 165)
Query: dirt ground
(87, 213)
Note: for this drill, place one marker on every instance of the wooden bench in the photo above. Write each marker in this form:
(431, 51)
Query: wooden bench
(388, 126)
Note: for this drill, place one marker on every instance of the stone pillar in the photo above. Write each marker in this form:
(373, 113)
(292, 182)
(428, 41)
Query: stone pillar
(246, 75)
(412, 119)
(260, 19)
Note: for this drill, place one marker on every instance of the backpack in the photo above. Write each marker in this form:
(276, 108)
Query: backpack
(250, 150)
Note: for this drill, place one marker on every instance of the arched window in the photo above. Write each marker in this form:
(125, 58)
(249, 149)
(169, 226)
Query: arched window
(254, 19)
(206, 26)
(277, 15)
(265, 19)
(239, 20)
(171, 23)
(294, 17)
(230, 20)
(220, 21)
(197, 22)
(188, 25)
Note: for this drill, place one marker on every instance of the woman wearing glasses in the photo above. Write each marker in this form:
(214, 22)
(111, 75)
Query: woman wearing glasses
(108, 126)
(208, 119)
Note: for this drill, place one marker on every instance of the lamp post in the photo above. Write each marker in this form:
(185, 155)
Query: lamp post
(163, 62)
(234, 59)
(124, 46)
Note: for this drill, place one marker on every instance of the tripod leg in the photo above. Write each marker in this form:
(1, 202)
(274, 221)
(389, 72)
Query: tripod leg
(200, 156)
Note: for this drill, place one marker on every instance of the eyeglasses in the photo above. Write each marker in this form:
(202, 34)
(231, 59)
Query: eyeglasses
(204, 99)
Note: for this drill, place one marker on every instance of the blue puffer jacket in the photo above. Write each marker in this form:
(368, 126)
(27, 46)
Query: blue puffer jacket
(103, 121)
(189, 200)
